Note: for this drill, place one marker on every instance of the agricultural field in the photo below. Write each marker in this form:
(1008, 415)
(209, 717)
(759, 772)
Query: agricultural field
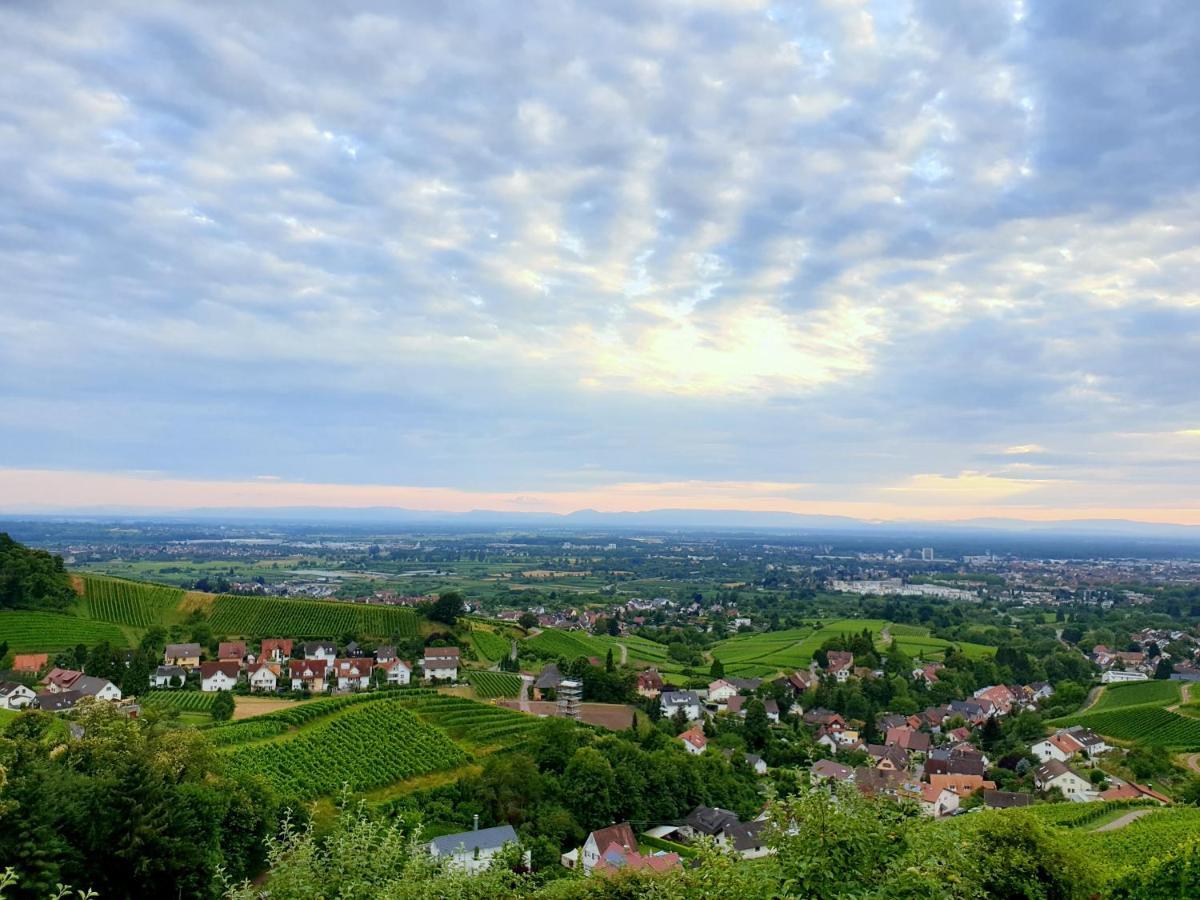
(26, 630)
(184, 701)
(137, 604)
(495, 684)
(1127, 849)
(1148, 724)
(489, 645)
(363, 747)
(259, 617)
(551, 643)
(1152, 693)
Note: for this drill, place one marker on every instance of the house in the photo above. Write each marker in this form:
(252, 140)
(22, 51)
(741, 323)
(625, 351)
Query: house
(963, 785)
(1000, 697)
(441, 663)
(276, 649)
(694, 741)
(322, 650)
(616, 860)
(185, 655)
(472, 851)
(307, 674)
(932, 800)
(1093, 744)
(1060, 746)
(709, 820)
(745, 839)
(1131, 791)
(598, 842)
(396, 671)
(58, 680)
(1055, 774)
(15, 696)
(688, 701)
(800, 681)
(549, 679)
(352, 674)
(263, 677)
(1005, 799)
(221, 675)
(879, 782)
(826, 719)
(100, 688)
(234, 650)
(757, 763)
(890, 759)
(354, 651)
(649, 683)
(168, 677)
(928, 673)
(62, 701)
(828, 770)
(721, 690)
(737, 706)
(908, 739)
(841, 664)
(385, 654)
(1041, 691)
(30, 663)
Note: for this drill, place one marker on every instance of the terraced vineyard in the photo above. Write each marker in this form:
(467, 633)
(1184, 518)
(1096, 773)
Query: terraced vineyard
(495, 684)
(25, 631)
(365, 746)
(569, 644)
(1132, 847)
(258, 617)
(478, 724)
(133, 603)
(184, 701)
(1150, 725)
(1154, 693)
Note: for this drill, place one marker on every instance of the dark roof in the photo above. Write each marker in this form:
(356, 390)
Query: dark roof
(745, 835)
(89, 685)
(550, 677)
(711, 819)
(182, 650)
(470, 841)
(1005, 799)
(58, 702)
(314, 646)
(170, 672)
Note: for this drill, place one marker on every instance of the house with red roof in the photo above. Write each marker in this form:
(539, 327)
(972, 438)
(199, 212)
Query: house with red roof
(276, 649)
(352, 674)
(308, 674)
(220, 675)
(30, 663)
(263, 677)
(694, 741)
(840, 665)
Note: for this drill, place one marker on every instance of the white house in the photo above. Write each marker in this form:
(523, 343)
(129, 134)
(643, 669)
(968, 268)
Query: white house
(1093, 744)
(441, 663)
(264, 678)
(397, 671)
(746, 839)
(321, 650)
(307, 674)
(168, 677)
(721, 690)
(694, 741)
(688, 701)
(598, 842)
(1060, 746)
(100, 688)
(353, 673)
(219, 676)
(1054, 774)
(14, 695)
(472, 851)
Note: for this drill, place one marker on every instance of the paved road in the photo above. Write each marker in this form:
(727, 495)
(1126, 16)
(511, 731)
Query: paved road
(1132, 816)
(1092, 697)
(523, 698)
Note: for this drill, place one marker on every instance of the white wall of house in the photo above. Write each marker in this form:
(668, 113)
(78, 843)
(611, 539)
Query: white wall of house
(218, 681)
(263, 680)
(1045, 751)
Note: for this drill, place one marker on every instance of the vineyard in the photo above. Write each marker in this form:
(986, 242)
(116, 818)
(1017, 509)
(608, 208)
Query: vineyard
(129, 602)
(489, 645)
(1129, 848)
(495, 684)
(1149, 725)
(366, 746)
(26, 630)
(476, 723)
(258, 617)
(1077, 815)
(1146, 693)
(184, 701)
(551, 644)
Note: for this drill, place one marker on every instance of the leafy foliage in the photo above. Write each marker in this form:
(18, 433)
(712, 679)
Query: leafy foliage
(495, 684)
(26, 630)
(32, 579)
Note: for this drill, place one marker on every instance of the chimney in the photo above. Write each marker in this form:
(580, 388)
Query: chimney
(476, 828)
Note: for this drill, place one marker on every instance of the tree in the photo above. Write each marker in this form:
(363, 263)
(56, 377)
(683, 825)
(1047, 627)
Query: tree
(528, 620)
(590, 788)
(758, 727)
(446, 608)
(1164, 669)
(222, 708)
(717, 670)
(608, 661)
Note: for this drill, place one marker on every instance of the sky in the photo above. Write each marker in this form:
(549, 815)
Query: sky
(925, 260)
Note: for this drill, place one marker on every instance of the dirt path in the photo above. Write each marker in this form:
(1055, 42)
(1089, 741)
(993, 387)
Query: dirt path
(245, 707)
(1131, 816)
(1192, 761)
(1092, 697)
(523, 697)
(1184, 696)
(624, 654)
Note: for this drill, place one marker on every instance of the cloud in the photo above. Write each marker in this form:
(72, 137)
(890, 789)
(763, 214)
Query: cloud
(552, 246)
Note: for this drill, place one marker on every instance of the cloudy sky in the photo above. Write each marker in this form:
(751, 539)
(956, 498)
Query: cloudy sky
(925, 259)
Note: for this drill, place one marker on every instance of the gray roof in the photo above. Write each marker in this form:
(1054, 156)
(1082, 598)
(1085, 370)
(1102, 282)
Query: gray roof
(90, 685)
(746, 835)
(711, 819)
(679, 698)
(182, 650)
(170, 672)
(550, 677)
(470, 841)
(60, 701)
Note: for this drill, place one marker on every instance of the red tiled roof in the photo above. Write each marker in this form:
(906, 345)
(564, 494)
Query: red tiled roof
(229, 667)
(30, 662)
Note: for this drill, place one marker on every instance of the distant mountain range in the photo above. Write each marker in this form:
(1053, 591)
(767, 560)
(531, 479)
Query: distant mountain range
(670, 519)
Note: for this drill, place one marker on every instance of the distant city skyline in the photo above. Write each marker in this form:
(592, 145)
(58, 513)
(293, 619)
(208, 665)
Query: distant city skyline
(887, 260)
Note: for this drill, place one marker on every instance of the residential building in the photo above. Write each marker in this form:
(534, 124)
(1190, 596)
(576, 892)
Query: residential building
(221, 675)
(746, 839)
(1054, 774)
(325, 651)
(694, 741)
(263, 677)
(441, 663)
(472, 851)
(276, 649)
(598, 842)
(709, 820)
(649, 683)
(1005, 799)
(841, 664)
(396, 671)
(234, 650)
(720, 691)
(307, 674)
(829, 770)
(672, 701)
(15, 696)
(168, 677)
(352, 674)
(184, 655)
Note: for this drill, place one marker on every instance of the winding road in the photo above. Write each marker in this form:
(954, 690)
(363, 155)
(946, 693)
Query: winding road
(1124, 820)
